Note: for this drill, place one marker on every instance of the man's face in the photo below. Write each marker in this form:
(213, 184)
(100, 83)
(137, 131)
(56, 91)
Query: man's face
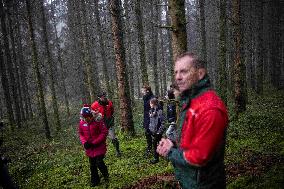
(143, 91)
(185, 74)
(103, 99)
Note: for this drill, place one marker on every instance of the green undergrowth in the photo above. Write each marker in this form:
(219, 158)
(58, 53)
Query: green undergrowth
(272, 179)
(61, 163)
(256, 137)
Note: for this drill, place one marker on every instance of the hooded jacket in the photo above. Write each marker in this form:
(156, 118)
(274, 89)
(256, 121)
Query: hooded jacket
(106, 109)
(95, 133)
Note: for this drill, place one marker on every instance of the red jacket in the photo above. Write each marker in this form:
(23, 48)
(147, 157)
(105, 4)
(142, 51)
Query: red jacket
(203, 128)
(106, 111)
(95, 133)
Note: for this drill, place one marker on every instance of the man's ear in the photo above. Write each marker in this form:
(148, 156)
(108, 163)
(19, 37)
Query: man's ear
(201, 73)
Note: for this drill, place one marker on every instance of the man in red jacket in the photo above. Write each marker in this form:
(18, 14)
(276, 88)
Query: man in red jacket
(198, 157)
(104, 106)
(93, 133)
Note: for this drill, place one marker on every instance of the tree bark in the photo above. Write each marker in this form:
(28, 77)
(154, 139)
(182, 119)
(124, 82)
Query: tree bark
(6, 90)
(126, 117)
(16, 62)
(163, 65)
(222, 87)
(62, 72)
(239, 67)
(179, 36)
(10, 69)
(37, 74)
(22, 67)
(275, 43)
(50, 69)
(203, 30)
(154, 15)
(91, 72)
(259, 46)
(128, 32)
(141, 44)
(170, 62)
(249, 44)
(102, 49)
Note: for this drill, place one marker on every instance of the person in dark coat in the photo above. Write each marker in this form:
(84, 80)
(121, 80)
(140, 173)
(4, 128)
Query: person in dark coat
(147, 96)
(171, 116)
(156, 126)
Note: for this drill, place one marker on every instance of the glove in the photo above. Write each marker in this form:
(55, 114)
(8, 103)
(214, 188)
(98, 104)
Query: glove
(87, 145)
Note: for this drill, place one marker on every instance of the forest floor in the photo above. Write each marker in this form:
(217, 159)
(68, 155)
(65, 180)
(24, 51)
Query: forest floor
(254, 153)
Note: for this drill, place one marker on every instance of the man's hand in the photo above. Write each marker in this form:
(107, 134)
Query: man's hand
(164, 147)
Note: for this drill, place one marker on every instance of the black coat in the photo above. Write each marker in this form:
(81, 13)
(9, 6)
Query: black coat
(171, 111)
(146, 99)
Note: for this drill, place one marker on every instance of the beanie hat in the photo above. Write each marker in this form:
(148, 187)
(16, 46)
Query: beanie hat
(86, 112)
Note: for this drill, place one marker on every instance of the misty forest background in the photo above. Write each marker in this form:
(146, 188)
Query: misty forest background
(56, 55)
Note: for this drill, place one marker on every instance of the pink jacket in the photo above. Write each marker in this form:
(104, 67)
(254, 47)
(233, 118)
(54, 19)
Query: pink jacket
(95, 133)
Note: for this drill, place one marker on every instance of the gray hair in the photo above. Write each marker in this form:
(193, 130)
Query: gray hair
(196, 61)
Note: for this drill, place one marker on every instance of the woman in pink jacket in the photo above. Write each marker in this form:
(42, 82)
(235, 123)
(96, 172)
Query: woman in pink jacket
(93, 133)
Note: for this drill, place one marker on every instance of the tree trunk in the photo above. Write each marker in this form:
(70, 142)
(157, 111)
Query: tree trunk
(131, 75)
(37, 74)
(179, 36)
(141, 44)
(128, 32)
(170, 46)
(102, 49)
(163, 59)
(10, 69)
(91, 72)
(239, 67)
(223, 53)
(154, 15)
(6, 90)
(16, 62)
(22, 66)
(163, 64)
(275, 44)
(249, 25)
(77, 55)
(50, 69)
(259, 46)
(124, 96)
(203, 30)
(62, 72)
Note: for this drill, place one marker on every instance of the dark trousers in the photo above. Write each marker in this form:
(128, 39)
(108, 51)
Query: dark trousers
(148, 135)
(95, 164)
(156, 139)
